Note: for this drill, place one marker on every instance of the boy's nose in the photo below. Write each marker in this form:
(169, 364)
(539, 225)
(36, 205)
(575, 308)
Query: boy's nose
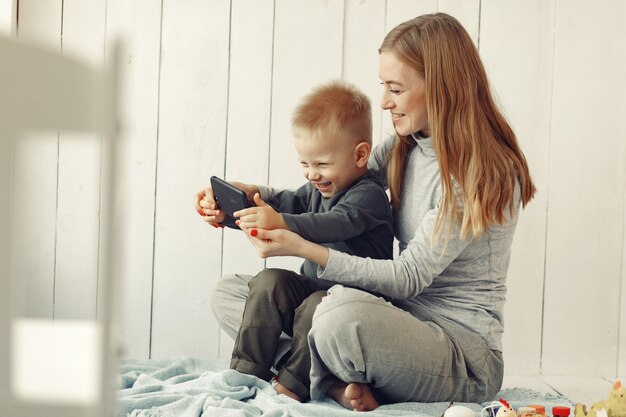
(312, 175)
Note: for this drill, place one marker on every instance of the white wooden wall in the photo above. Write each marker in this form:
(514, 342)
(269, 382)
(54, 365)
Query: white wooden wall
(208, 89)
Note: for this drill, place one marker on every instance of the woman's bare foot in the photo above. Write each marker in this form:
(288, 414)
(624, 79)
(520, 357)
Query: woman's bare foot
(282, 390)
(354, 396)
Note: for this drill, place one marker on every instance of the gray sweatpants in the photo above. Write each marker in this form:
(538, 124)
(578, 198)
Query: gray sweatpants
(358, 337)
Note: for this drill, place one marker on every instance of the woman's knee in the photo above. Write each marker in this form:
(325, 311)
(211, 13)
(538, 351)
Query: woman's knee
(228, 300)
(229, 288)
(344, 313)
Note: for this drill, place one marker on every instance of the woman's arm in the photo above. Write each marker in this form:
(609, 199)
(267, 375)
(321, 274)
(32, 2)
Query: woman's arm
(401, 278)
(282, 242)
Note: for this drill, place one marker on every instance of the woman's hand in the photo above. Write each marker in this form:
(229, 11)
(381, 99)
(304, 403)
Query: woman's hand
(282, 242)
(269, 243)
(262, 216)
(207, 207)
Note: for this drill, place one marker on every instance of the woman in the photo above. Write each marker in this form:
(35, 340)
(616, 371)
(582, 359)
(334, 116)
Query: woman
(457, 181)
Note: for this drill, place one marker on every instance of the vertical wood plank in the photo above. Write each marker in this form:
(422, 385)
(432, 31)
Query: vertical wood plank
(621, 359)
(138, 25)
(308, 38)
(78, 199)
(519, 67)
(7, 16)
(191, 141)
(360, 52)
(35, 182)
(307, 52)
(247, 147)
(467, 12)
(399, 11)
(586, 185)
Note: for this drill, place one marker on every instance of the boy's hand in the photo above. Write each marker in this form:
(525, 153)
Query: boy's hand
(262, 216)
(207, 207)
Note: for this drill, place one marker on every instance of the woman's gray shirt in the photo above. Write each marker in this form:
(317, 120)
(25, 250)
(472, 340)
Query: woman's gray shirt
(465, 284)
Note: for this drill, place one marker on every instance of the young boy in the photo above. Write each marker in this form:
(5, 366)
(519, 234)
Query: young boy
(343, 206)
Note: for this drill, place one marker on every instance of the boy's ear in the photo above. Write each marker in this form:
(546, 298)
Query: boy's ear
(362, 153)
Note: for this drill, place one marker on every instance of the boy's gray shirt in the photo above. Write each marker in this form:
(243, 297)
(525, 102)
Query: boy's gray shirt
(465, 285)
(357, 220)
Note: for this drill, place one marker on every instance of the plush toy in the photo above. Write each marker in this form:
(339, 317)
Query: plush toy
(505, 410)
(613, 406)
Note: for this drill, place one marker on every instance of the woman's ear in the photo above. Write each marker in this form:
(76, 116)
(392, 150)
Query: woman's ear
(362, 153)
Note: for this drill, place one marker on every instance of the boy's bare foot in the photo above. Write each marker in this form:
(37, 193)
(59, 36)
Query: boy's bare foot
(354, 396)
(282, 390)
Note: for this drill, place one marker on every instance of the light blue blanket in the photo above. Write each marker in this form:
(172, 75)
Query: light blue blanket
(188, 387)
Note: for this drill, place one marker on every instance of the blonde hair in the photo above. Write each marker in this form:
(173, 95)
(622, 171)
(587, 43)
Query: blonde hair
(337, 109)
(474, 144)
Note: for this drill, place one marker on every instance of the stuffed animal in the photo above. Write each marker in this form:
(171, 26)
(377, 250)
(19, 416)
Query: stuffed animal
(613, 406)
(505, 410)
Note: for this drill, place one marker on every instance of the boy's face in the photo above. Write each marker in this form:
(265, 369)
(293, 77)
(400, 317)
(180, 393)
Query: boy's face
(329, 163)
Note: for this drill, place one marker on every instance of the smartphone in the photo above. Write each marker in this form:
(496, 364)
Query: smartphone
(228, 197)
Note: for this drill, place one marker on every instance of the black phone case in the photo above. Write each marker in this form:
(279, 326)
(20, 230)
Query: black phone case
(228, 197)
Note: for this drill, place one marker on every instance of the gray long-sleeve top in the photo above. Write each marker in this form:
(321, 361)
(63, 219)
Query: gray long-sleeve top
(465, 285)
(355, 221)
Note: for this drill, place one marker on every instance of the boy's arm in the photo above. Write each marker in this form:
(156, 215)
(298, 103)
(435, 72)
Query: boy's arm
(363, 207)
(287, 201)
(269, 214)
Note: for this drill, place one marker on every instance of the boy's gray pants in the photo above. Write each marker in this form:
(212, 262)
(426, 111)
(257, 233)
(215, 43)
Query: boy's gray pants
(280, 301)
(358, 337)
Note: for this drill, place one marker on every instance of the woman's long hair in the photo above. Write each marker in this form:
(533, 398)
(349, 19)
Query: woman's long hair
(474, 144)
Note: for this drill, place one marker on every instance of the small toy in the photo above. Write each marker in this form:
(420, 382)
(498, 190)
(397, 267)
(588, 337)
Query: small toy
(505, 410)
(459, 411)
(527, 411)
(613, 406)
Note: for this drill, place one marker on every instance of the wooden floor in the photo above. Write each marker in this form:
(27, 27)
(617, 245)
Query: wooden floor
(585, 390)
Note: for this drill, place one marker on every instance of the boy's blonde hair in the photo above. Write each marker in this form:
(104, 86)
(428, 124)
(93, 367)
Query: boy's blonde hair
(337, 109)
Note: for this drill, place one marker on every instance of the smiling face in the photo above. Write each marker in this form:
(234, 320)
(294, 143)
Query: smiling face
(404, 95)
(331, 164)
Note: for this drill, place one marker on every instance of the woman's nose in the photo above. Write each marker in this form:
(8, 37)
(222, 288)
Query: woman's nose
(385, 102)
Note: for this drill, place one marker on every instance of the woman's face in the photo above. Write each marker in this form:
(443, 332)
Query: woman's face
(404, 95)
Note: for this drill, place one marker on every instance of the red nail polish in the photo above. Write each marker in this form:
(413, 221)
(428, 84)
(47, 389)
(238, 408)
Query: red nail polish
(253, 232)
(200, 212)
(214, 225)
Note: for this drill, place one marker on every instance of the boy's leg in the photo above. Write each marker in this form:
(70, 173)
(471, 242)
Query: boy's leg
(359, 338)
(228, 302)
(275, 294)
(295, 374)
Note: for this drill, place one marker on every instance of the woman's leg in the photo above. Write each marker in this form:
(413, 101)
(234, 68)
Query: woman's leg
(275, 294)
(228, 301)
(295, 374)
(362, 339)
